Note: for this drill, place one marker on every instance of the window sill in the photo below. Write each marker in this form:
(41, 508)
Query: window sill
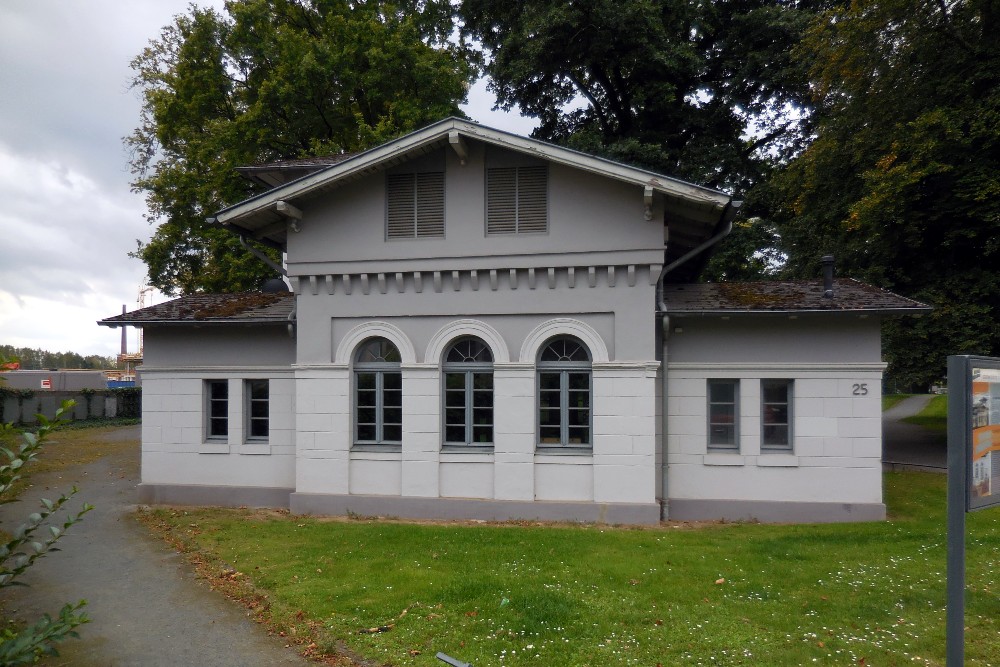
(256, 448)
(723, 459)
(467, 456)
(564, 455)
(777, 460)
(214, 447)
(467, 449)
(376, 453)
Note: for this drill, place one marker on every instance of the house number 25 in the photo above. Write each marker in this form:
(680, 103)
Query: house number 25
(860, 389)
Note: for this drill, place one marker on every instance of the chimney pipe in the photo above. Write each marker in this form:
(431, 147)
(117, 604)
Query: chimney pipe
(124, 343)
(828, 276)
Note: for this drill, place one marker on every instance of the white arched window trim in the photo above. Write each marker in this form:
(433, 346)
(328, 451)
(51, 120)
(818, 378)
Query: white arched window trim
(564, 326)
(451, 332)
(365, 330)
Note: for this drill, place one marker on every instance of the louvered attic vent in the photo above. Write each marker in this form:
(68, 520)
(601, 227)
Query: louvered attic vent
(415, 205)
(517, 200)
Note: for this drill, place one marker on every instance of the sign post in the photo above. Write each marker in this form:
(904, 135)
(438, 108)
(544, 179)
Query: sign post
(973, 473)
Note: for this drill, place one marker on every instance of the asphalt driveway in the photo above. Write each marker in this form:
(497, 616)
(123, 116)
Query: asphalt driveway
(908, 446)
(147, 607)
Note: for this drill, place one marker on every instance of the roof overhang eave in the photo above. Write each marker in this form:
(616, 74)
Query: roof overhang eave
(207, 322)
(880, 312)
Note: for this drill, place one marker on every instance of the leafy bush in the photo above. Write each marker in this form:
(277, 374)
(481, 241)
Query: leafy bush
(32, 540)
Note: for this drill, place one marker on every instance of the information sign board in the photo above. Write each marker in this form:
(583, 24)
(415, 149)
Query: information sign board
(974, 429)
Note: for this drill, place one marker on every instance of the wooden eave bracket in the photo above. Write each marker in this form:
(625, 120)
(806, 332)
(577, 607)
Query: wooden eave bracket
(291, 212)
(458, 144)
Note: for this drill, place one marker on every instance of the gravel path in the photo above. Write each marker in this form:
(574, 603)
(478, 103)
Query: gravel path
(147, 607)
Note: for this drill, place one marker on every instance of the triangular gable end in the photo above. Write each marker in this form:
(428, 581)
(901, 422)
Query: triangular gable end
(693, 214)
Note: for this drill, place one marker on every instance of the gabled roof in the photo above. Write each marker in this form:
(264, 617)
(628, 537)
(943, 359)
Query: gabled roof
(244, 308)
(273, 174)
(693, 213)
(722, 299)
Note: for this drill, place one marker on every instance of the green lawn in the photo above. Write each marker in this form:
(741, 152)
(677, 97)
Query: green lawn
(934, 416)
(712, 594)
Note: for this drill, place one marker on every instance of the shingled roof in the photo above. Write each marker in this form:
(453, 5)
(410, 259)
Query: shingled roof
(725, 298)
(244, 308)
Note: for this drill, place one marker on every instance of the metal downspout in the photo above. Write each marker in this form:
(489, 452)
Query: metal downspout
(728, 215)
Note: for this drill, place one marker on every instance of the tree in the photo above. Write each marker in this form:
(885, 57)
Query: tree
(705, 91)
(32, 540)
(902, 180)
(270, 80)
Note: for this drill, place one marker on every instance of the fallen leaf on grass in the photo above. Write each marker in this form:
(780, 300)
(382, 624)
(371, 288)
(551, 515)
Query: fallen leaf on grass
(721, 580)
(373, 631)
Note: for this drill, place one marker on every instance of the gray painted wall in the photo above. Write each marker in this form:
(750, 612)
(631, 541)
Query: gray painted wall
(588, 216)
(222, 346)
(827, 338)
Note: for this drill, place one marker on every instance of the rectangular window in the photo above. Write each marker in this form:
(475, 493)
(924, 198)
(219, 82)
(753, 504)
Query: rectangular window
(723, 409)
(378, 407)
(517, 200)
(564, 408)
(415, 205)
(217, 409)
(776, 415)
(258, 411)
(468, 408)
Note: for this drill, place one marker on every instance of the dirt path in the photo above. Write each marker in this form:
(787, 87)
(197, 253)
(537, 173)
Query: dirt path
(147, 607)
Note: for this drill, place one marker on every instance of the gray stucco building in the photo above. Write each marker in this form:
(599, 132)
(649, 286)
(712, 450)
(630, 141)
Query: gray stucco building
(487, 326)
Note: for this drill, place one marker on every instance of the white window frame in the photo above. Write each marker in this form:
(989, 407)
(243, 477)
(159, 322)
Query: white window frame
(469, 369)
(248, 412)
(380, 370)
(210, 401)
(788, 403)
(564, 369)
(734, 446)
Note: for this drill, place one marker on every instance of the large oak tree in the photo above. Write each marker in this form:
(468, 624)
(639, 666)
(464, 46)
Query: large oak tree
(902, 182)
(268, 80)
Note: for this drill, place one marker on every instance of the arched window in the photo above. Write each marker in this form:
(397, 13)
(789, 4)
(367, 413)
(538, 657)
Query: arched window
(378, 394)
(564, 394)
(468, 393)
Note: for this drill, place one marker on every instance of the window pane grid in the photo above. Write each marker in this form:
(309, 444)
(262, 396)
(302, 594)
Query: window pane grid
(468, 415)
(564, 394)
(258, 422)
(723, 397)
(378, 394)
(218, 409)
(776, 408)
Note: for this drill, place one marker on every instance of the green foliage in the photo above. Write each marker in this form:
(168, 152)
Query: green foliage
(902, 180)
(32, 540)
(26, 646)
(37, 359)
(129, 402)
(270, 80)
(706, 91)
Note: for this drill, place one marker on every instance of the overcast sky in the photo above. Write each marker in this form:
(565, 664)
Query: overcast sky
(68, 219)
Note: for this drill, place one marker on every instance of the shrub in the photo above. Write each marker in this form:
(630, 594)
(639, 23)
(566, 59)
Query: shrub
(32, 540)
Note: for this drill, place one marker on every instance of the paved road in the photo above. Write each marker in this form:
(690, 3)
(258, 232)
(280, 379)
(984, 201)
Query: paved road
(908, 446)
(147, 607)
